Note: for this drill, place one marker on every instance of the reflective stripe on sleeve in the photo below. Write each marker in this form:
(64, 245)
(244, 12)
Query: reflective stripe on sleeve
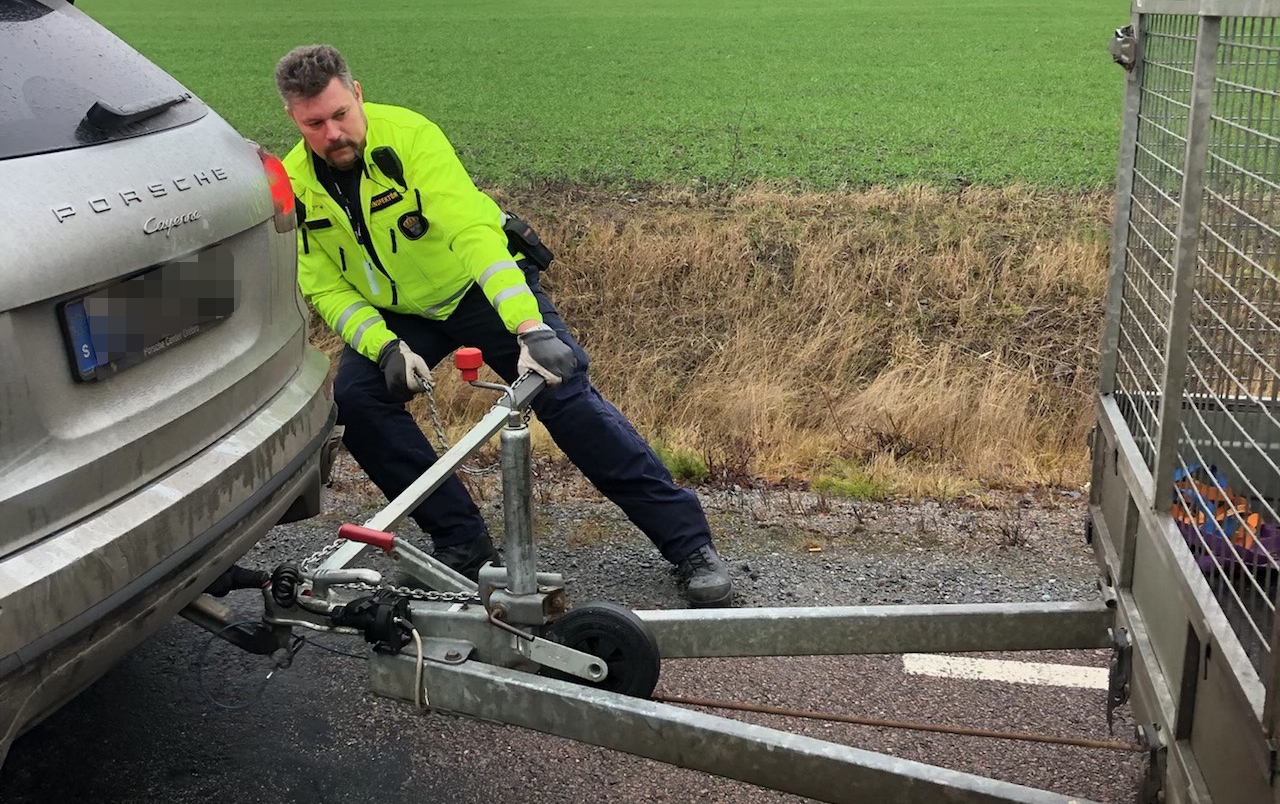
(360, 330)
(511, 292)
(347, 314)
(496, 268)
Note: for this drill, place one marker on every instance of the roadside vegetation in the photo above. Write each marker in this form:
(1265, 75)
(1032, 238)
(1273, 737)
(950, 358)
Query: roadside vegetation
(906, 341)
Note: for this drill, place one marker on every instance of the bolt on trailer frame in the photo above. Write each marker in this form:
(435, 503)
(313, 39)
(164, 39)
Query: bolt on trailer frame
(1185, 495)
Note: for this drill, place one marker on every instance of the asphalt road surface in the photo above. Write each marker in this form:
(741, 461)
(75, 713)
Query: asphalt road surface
(150, 731)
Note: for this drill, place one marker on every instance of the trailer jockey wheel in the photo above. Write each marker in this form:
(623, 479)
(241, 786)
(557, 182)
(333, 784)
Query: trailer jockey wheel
(616, 636)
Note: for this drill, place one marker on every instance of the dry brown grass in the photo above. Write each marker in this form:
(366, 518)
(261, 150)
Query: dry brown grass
(932, 339)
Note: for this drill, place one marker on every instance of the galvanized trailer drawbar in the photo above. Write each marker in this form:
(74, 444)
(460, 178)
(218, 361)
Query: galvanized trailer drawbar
(511, 650)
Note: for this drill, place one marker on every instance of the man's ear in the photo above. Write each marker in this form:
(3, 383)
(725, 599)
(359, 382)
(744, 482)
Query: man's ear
(359, 93)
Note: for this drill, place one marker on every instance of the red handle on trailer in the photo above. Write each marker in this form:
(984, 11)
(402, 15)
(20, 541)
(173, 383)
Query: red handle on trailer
(468, 360)
(358, 533)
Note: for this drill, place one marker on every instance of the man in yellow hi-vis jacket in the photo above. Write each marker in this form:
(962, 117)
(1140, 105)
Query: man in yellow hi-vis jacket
(407, 260)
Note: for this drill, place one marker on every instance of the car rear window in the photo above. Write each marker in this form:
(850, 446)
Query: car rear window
(56, 65)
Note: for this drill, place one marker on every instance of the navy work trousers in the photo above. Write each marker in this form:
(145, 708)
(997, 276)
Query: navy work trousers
(384, 439)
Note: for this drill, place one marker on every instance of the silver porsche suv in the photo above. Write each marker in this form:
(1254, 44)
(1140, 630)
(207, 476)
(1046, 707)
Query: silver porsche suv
(160, 407)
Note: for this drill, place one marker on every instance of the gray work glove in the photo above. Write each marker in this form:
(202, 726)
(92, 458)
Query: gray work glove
(543, 353)
(405, 372)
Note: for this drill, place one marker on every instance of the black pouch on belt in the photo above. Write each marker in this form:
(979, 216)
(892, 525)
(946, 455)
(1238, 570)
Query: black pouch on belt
(523, 240)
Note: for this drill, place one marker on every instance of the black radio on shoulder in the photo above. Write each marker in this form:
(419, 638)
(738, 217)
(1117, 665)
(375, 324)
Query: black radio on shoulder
(389, 163)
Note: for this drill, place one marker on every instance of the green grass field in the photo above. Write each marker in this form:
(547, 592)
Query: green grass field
(828, 93)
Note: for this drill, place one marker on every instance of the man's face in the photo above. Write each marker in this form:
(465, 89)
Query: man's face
(332, 123)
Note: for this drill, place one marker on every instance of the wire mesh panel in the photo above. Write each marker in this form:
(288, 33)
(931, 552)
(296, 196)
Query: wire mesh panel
(1184, 513)
(1227, 484)
(1153, 222)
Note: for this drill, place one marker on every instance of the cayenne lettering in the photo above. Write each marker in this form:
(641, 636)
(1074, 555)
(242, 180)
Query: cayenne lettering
(154, 225)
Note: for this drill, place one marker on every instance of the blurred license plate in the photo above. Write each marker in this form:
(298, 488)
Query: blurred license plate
(123, 324)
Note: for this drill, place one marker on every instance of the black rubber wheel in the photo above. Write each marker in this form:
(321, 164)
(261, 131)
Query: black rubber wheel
(618, 638)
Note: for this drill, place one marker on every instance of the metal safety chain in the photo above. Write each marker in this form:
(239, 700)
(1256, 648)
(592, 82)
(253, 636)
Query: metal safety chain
(443, 445)
(309, 563)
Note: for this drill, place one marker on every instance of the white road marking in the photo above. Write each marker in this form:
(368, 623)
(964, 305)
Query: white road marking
(1054, 675)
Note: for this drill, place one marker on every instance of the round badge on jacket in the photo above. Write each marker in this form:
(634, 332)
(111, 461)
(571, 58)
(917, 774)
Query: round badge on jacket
(413, 225)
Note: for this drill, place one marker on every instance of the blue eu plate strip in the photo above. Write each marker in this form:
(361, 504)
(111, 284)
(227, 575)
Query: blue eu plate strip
(81, 339)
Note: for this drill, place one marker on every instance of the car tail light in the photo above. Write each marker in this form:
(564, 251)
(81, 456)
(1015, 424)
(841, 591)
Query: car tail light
(281, 190)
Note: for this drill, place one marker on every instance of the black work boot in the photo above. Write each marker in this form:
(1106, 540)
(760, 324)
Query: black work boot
(466, 559)
(706, 578)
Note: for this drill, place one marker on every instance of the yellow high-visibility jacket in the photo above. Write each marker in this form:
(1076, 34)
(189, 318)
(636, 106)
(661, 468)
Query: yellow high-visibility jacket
(435, 236)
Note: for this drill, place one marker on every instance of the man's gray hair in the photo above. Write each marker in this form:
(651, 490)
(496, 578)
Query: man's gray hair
(306, 71)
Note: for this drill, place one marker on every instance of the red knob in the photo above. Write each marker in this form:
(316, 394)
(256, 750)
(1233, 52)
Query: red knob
(469, 359)
(357, 533)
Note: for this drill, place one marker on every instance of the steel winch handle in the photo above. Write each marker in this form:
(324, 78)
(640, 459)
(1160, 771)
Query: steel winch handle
(518, 394)
(357, 533)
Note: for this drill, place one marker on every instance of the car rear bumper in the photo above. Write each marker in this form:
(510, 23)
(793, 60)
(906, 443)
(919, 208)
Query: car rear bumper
(77, 601)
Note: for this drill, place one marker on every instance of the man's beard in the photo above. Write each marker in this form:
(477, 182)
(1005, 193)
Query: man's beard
(356, 153)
